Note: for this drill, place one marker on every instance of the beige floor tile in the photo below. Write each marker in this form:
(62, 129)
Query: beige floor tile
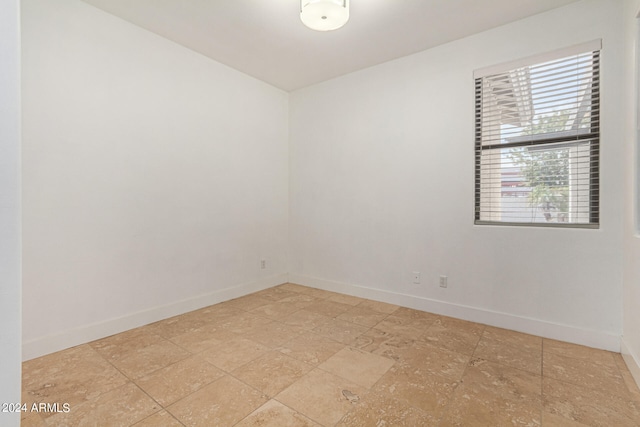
(272, 372)
(589, 406)
(215, 312)
(275, 414)
(378, 306)
(362, 316)
(162, 418)
(177, 325)
(322, 397)
(346, 299)
(377, 341)
(311, 348)
(234, 353)
(632, 386)
(243, 323)
(318, 293)
(507, 382)
(203, 338)
(224, 402)
(378, 410)
(553, 420)
(276, 294)
(274, 334)
(575, 351)
(123, 406)
(142, 361)
(407, 327)
(328, 358)
(294, 287)
(453, 334)
(69, 376)
(358, 366)
(430, 359)
(115, 346)
(584, 372)
(418, 388)
(170, 384)
(513, 349)
(31, 419)
(328, 308)
(306, 319)
(477, 407)
(276, 310)
(341, 331)
(416, 314)
(518, 339)
(301, 300)
(249, 302)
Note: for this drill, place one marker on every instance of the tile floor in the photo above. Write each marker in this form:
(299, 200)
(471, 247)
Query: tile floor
(298, 356)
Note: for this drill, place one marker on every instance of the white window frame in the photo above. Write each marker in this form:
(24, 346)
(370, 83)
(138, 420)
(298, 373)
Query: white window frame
(484, 213)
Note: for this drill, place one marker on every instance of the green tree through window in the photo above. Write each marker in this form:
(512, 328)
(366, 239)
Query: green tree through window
(546, 171)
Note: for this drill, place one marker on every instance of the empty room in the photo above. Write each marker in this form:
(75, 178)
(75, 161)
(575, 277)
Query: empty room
(320, 213)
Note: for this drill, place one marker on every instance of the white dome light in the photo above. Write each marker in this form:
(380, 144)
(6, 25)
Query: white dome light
(324, 15)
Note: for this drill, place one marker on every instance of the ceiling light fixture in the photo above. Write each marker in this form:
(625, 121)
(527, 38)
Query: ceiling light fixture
(324, 15)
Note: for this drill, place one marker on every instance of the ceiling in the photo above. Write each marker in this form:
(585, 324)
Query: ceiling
(267, 40)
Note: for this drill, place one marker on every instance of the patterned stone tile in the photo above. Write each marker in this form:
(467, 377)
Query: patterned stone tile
(378, 410)
(502, 380)
(70, 376)
(306, 319)
(139, 362)
(328, 308)
(341, 331)
(162, 418)
(359, 366)
(378, 306)
(453, 334)
(123, 406)
(311, 348)
(418, 388)
(322, 397)
(407, 327)
(234, 353)
(272, 372)
(436, 361)
(585, 373)
(511, 348)
(275, 414)
(170, 384)
(362, 316)
(589, 406)
(274, 334)
(471, 406)
(203, 338)
(224, 402)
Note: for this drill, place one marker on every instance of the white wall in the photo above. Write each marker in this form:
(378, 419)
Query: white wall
(154, 179)
(10, 322)
(382, 168)
(631, 295)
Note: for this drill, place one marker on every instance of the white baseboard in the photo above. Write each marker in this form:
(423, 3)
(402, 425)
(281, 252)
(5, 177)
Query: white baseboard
(51, 343)
(632, 360)
(595, 339)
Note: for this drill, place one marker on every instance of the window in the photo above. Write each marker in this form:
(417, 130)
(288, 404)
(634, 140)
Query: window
(537, 140)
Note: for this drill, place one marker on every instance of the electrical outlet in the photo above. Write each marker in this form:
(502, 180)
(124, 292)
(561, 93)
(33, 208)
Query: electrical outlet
(263, 264)
(416, 277)
(443, 281)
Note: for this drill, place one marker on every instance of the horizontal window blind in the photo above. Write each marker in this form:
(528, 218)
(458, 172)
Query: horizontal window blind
(537, 131)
